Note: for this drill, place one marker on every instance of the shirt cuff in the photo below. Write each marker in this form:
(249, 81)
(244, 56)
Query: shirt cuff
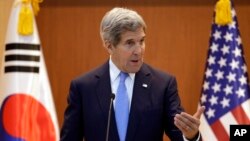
(196, 138)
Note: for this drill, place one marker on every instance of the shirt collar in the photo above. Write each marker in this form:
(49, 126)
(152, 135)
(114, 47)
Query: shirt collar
(114, 72)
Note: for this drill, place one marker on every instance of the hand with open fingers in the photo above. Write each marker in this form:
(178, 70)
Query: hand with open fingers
(188, 124)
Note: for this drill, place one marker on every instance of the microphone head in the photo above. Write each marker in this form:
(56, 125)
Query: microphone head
(112, 96)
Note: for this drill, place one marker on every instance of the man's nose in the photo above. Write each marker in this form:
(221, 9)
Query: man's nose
(138, 49)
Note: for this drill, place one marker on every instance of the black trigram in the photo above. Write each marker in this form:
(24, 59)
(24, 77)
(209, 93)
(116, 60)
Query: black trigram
(20, 57)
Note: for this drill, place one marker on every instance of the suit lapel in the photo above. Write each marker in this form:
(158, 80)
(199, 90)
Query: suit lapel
(103, 92)
(103, 89)
(140, 100)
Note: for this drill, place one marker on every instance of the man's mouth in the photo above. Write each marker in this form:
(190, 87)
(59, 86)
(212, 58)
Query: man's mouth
(135, 61)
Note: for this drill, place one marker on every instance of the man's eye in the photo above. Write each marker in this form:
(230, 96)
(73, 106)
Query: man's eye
(130, 43)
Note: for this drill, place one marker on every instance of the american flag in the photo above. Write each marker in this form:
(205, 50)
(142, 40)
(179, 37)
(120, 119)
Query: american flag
(225, 89)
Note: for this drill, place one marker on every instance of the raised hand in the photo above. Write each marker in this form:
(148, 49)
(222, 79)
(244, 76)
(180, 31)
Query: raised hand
(188, 124)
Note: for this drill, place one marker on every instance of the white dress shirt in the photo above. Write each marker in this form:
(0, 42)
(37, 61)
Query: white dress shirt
(115, 79)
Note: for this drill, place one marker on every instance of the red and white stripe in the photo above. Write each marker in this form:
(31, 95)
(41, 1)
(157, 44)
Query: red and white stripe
(219, 130)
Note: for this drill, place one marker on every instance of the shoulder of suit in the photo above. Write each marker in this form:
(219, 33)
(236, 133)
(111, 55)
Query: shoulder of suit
(156, 71)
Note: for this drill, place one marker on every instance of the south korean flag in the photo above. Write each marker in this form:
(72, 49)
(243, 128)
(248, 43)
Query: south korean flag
(27, 109)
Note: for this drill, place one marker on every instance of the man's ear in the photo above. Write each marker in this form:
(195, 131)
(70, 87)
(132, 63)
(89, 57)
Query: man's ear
(108, 46)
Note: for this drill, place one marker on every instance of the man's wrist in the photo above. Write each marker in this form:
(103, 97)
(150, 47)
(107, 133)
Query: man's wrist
(196, 137)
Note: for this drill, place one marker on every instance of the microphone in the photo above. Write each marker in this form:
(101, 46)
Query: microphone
(112, 97)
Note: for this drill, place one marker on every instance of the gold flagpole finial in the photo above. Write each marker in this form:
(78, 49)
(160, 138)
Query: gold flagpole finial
(25, 21)
(223, 13)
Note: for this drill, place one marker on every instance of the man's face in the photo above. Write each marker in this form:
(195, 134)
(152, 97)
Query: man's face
(128, 53)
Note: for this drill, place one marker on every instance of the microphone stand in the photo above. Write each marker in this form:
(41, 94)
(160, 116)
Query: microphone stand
(109, 115)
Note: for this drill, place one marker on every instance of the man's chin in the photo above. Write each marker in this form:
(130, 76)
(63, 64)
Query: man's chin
(134, 69)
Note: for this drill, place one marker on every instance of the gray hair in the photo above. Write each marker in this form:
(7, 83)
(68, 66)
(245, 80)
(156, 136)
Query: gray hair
(117, 21)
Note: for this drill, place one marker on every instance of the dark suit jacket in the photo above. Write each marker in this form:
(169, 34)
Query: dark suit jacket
(152, 109)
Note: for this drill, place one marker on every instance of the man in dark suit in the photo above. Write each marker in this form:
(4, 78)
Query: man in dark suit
(150, 102)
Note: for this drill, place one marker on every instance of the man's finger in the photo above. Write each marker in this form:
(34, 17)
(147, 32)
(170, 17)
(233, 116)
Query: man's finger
(199, 112)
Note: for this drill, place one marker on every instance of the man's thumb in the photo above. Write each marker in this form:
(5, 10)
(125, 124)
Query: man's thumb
(199, 112)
